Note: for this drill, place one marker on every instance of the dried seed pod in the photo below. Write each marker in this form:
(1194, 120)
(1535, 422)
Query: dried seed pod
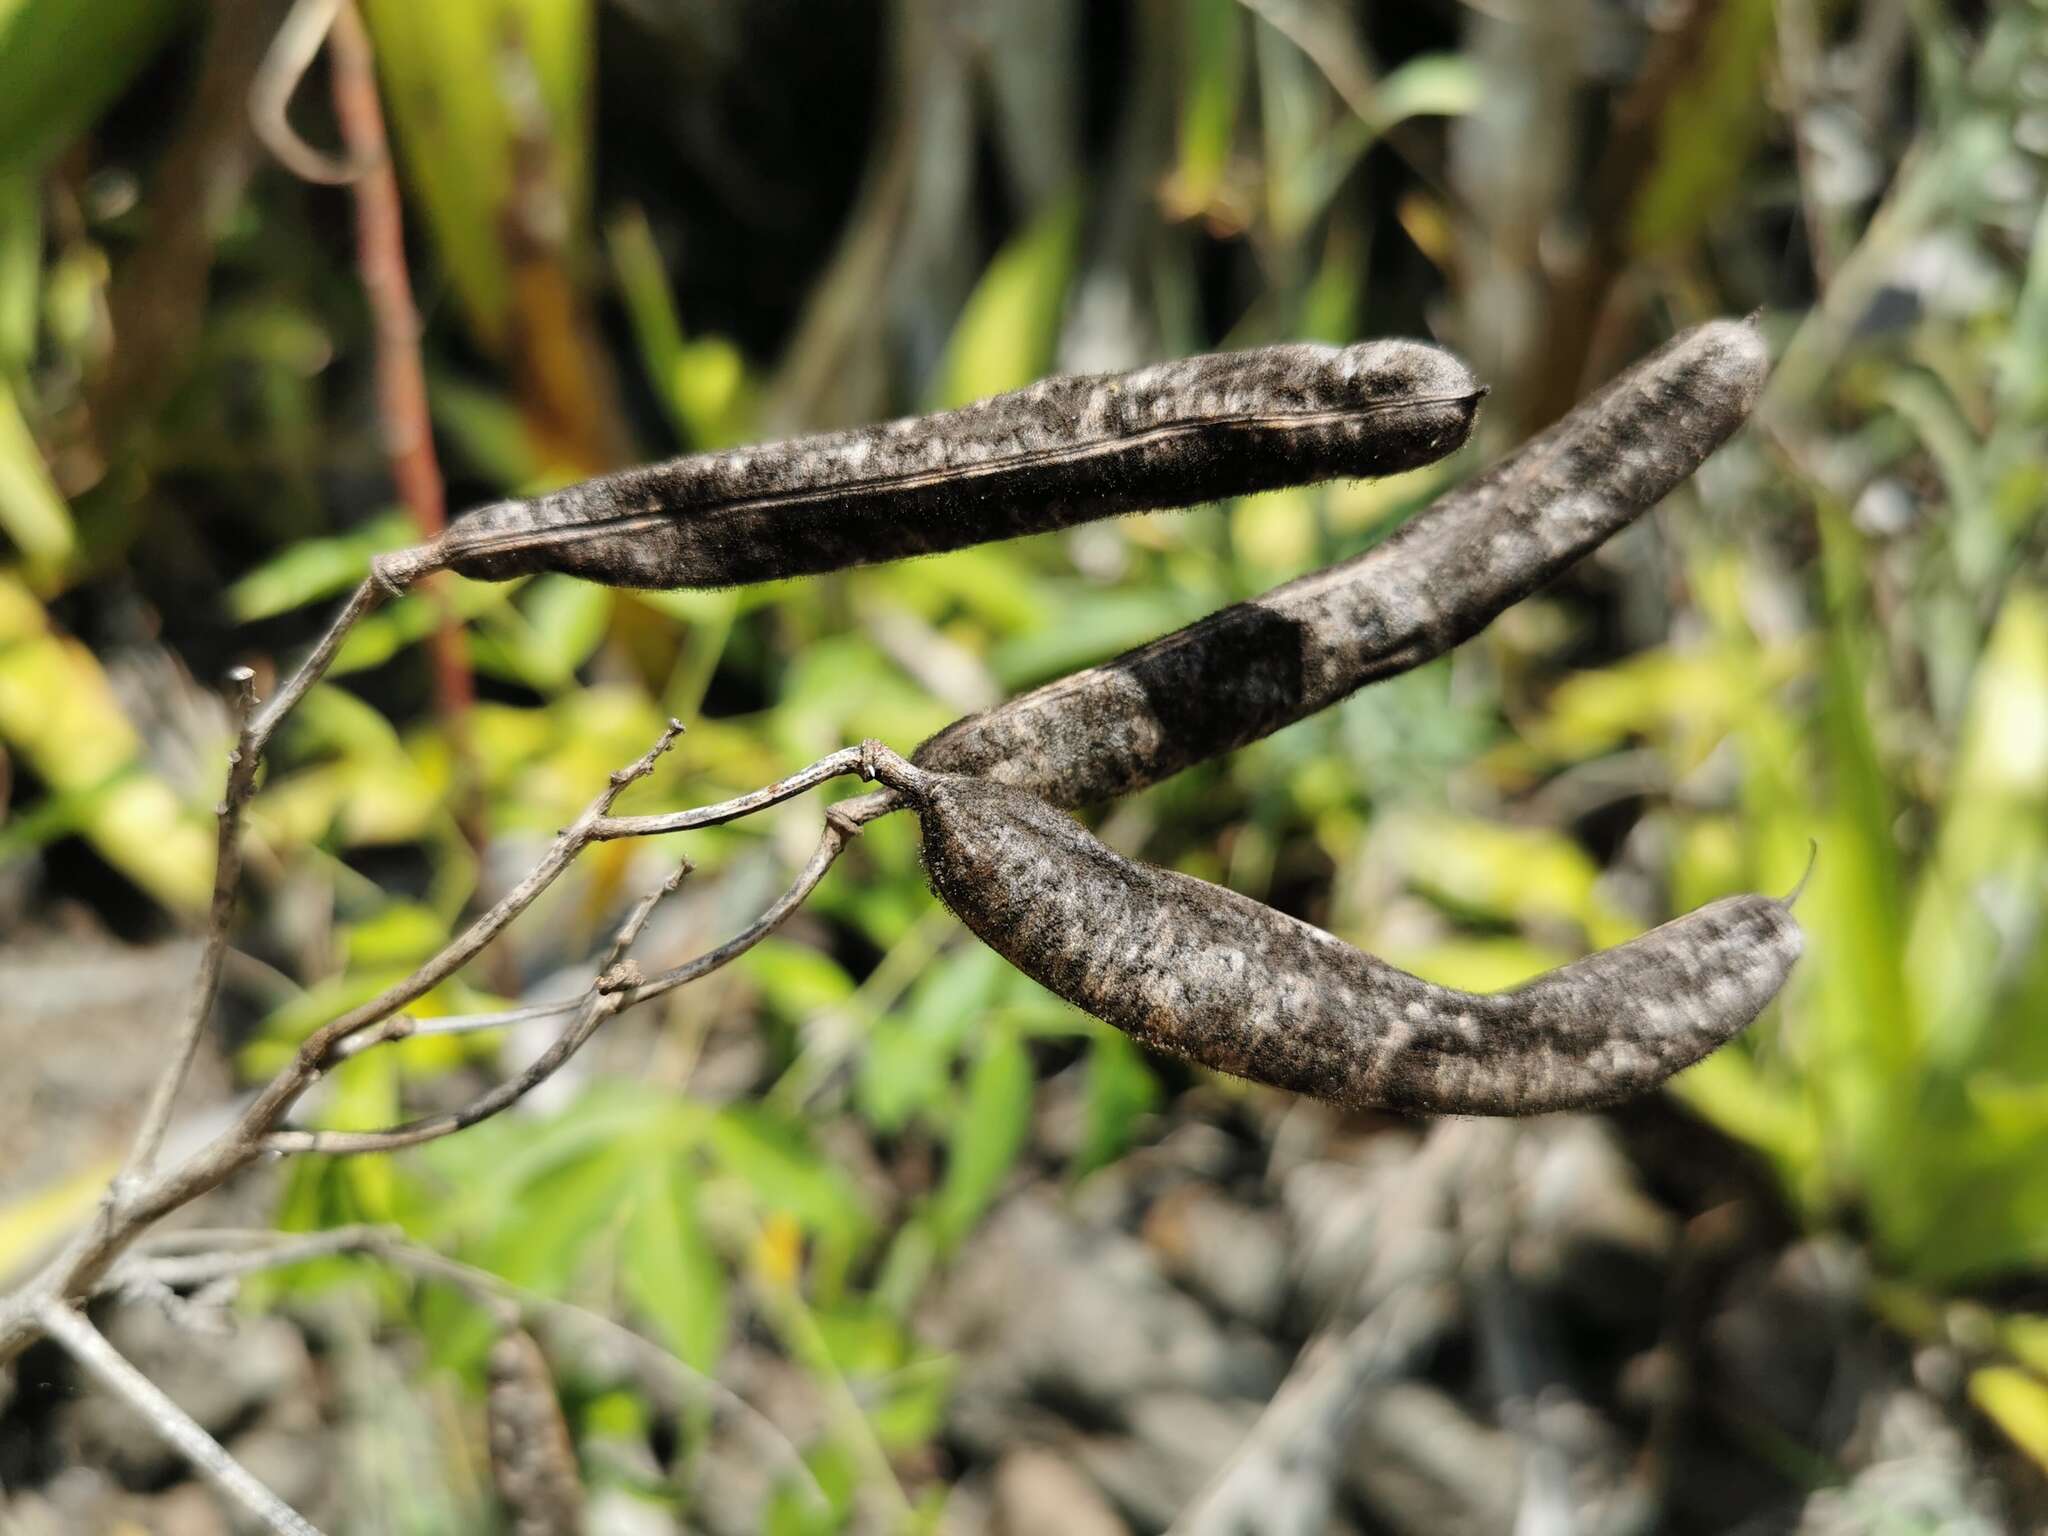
(1064, 451)
(533, 1459)
(1204, 973)
(1246, 671)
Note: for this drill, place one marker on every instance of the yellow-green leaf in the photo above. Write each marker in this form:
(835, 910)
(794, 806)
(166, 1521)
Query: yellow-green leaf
(2017, 1402)
(32, 512)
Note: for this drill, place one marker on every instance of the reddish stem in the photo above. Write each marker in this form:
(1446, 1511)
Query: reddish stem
(401, 380)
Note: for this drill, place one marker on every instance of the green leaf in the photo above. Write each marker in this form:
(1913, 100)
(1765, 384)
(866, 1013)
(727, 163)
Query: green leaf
(1122, 1090)
(786, 1175)
(488, 1169)
(903, 1072)
(2017, 1402)
(21, 271)
(1982, 890)
(669, 1268)
(1868, 1032)
(32, 511)
(1428, 85)
(1086, 625)
(797, 980)
(1211, 87)
(59, 714)
(1513, 873)
(470, 87)
(291, 1021)
(907, 1068)
(2023, 378)
(2025, 1336)
(713, 391)
(1004, 337)
(989, 1133)
(702, 383)
(313, 570)
(555, 627)
(913, 1409)
(401, 933)
(62, 61)
(906, 1386)
(409, 620)
(564, 1222)
(486, 428)
(568, 619)
(793, 1510)
(1728, 1089)
(1477, 964)
(1711, 125)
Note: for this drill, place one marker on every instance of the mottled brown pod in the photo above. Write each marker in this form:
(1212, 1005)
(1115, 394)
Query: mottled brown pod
(1064, 451)
(1246, 671)
(1201, 972)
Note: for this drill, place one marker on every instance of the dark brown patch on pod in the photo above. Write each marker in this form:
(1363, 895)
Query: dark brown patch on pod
(1204, 973)
(1065, 451)
(1248, 670)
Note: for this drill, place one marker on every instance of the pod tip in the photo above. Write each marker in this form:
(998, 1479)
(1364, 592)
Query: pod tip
(1812, 858)
(1737, 356)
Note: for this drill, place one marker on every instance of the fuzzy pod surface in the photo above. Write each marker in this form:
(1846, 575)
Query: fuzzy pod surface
(1201, 972)
(1064, 451)
(1244, 672)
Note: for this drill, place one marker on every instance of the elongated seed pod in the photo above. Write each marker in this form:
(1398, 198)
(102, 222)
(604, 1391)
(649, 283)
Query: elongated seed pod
(1246, 671)
(1064, 451)
(1204, 973)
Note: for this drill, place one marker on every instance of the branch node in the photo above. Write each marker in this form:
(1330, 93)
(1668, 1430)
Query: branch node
(643, 765)
(622, 977)
(397, 571)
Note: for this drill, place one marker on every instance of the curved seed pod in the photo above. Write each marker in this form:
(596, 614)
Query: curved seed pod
(1248, 670)
(1201, 972)
(1064, 451)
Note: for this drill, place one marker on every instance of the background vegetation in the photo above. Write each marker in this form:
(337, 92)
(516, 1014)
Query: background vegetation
(639, 229)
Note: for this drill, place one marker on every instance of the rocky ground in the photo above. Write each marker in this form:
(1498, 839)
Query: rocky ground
(1270, 1319)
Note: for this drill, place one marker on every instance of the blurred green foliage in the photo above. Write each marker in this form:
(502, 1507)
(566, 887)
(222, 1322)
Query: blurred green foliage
(1839, 634)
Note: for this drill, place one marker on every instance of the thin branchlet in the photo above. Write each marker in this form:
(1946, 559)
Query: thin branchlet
(1201, 972)
(1246, 671)
(1066, 450)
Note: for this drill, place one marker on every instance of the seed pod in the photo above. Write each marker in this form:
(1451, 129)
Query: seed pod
(1064, 451)
(1204, 973)
(1248, 670)
(533, 1459)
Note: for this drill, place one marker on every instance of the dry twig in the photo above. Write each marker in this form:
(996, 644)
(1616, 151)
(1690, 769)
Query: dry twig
(156, 1119)
(202, 1256)
(106, 1365)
